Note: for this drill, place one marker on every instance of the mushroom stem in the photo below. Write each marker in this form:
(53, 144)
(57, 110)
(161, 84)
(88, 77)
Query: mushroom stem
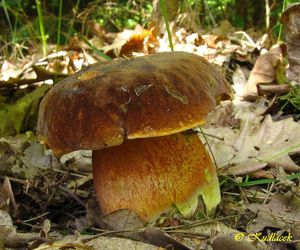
(149, 175)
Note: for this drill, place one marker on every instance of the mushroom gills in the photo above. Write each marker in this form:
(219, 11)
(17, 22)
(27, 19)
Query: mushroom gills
(149, 175)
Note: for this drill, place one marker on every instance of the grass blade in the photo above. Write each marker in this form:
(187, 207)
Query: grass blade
(41, 26)
(97, 51)
(166, 19)
(59, 25)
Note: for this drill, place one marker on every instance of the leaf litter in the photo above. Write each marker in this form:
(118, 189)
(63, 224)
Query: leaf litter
(257, 141)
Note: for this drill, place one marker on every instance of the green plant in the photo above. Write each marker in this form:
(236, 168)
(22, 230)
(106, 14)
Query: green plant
(41, 26)
(292, 98)
(119, 14)
(13, 38)
(266, 181)
(97, 51)
(7, 17)
(279, 36)
(59, 25)
(75, 10)
(166, 19)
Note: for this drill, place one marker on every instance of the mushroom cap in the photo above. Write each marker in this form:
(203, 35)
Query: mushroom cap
(292, 9)
(149, 96)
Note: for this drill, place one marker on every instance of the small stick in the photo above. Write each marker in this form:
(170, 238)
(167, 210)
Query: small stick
(273, 89)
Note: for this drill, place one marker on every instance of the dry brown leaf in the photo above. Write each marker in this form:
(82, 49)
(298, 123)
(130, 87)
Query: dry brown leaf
(4, 198)
(282, 209)
(142, 42)
(264, 70)
(123, 219)
(246, 167)
(114, 243)
(9, 70)
(194, 39)
(127, 42)
(290, 19)
(222, 116)
(9, 238)
(239, 81)
(181, 35)
(261, 141)
(7, 197)
(59, 246)
(264, 174)
(157, 237)
(33, 161)
(228, 242)
(211, 40)
(206, 231)
(212, 228)
(296, 231)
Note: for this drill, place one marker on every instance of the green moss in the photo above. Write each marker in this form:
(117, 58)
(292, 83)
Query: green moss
(22, 115)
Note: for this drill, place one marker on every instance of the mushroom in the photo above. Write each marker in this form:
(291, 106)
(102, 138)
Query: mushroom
(136, 116)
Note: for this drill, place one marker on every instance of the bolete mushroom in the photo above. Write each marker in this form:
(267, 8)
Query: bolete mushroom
(136, 116)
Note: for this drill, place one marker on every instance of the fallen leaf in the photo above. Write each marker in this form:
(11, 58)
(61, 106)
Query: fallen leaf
(46, 227)
(32, 161)
(35, 156)
(9, 70)
(9, 238)
(194, 39)
(211, 228)
(228, 242)
(63, 245)
(296, 231)
(258, 140)
(158, 237)
(80, 160)
(114, 243)
(139, 40)
(123, 219)
(7, 197)
(203, 232)
(244, 168)
(290, 19)
(211, 40)
(239, 81)
(264, 69)
(282, 209)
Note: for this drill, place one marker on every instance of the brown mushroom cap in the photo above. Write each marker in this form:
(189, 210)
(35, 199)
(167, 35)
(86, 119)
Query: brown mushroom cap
(148, 96)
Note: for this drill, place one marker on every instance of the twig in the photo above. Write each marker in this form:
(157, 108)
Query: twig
(187, 233)
(268, 12)
(69, 192)
(248, 41)
(273, 89)
(199, 223)
(209, 148)
(24, 182)
(109, 232)
(212, 136)
(36, 218)
(42, 75)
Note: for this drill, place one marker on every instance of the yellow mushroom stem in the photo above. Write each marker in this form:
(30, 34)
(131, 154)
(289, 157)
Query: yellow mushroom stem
(149, 175)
